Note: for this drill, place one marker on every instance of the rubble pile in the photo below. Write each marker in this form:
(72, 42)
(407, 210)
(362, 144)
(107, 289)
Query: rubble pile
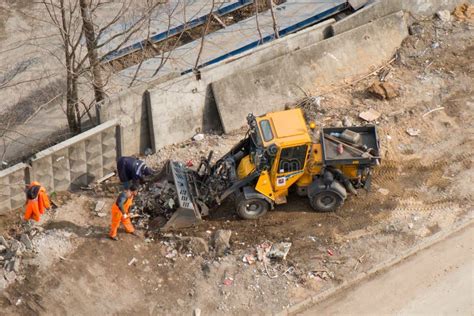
(156, 199)
(12, 252)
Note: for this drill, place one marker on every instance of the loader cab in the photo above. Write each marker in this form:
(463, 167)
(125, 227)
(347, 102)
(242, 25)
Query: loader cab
(286, 141)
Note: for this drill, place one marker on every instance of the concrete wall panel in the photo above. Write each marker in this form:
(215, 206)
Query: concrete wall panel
(109, 152)
(61, 169)
(77, 165)
(181, 107)
(316, 68)
(12, 184)
(78, 160)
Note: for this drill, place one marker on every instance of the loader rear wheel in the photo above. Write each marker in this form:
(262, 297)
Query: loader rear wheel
(325, 201)
(251, 208)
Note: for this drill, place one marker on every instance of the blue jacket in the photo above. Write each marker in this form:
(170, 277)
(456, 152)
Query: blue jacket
(132, 169)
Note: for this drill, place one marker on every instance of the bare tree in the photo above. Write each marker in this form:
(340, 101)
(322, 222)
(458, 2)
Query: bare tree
(204, 32)
(275, 24)
(91, 42)
(74, 22)
(255, 3)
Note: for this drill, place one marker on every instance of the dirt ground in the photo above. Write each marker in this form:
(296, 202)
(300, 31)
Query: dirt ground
(422, 187)
(435, 281)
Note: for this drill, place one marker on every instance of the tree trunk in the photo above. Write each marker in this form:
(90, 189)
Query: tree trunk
(91, 42)
(71, 103)
(275, 24)
(71, 96)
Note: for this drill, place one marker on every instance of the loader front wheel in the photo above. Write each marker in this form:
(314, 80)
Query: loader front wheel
(251, 208)
(325, 201)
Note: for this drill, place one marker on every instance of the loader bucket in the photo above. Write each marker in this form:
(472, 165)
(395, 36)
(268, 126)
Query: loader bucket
(181, 218)
(186, 214)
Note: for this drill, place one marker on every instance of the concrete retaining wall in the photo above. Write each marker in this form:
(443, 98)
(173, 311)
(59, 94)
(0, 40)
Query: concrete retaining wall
(181, 107)
(79, 160)
(192, 99)
(12, 185)
(383, 8)
(314, 69)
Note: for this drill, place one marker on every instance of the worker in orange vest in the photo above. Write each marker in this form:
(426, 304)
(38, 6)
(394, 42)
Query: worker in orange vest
(37, 201)
(120, 211)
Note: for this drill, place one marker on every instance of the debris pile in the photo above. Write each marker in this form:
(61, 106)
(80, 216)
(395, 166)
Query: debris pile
(266, 251)
(189, 246)
(156, 200)
(12, 252)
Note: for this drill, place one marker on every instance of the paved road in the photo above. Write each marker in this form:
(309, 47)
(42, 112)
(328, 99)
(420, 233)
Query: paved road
(436, 281)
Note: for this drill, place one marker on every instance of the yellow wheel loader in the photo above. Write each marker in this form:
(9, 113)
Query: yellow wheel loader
(277, 156)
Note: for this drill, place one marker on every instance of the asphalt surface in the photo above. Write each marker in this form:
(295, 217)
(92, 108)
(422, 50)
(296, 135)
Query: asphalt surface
(438, 280)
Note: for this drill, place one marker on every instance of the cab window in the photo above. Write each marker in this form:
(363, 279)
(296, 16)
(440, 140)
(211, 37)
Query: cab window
(292, 159)
(266, 129)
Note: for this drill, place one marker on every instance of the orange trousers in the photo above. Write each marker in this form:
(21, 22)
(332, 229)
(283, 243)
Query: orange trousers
(117, 219)
(32, 210)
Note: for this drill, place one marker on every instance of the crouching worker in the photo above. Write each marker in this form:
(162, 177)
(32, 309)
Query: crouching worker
(120, 211)
(132, 170)
(37, 201)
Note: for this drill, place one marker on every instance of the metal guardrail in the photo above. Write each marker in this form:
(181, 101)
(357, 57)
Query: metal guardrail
(175, 30)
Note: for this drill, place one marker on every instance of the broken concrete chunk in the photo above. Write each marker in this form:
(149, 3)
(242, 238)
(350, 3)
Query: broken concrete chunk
(370, 115)
(10, 276)
(347, 122)
(3, 283)
(220, 241)
(4, 242)
(279, 250)
(99, 206)
(413, 131)
(102, 214)
(26, 241)
(198, 137)
(197, 245)
(2, 248)
(444, 15)
(415, 29)
(197, 312)
(16, 265)
(15, 245)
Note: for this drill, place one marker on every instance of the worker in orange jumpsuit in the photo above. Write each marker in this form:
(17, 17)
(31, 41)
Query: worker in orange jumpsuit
(37, 201)
(120, 211)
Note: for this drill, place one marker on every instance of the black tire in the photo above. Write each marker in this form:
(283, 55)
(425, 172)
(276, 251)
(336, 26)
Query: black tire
(325, 201)
(251, 208)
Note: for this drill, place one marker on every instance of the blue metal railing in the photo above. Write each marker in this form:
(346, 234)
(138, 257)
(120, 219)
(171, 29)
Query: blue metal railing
(283, 32)
(173, 31)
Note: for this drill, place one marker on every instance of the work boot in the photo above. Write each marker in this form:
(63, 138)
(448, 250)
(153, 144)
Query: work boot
(114, 238)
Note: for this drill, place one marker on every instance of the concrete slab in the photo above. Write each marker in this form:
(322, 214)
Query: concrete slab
(12, 184)
(269, 86)
(77, 161)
